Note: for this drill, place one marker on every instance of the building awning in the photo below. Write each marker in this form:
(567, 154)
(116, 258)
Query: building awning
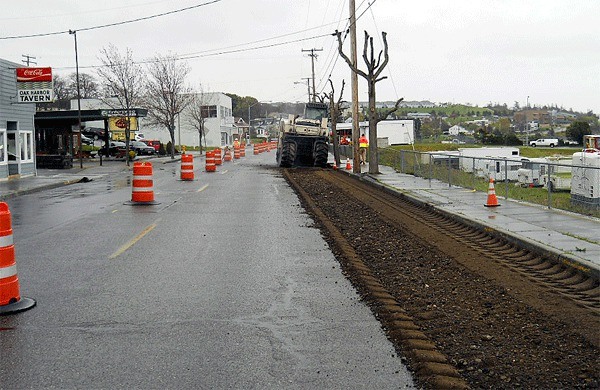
(88, 115)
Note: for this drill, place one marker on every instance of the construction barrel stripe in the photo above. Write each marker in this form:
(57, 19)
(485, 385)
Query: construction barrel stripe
(9, 271)
(6, 240)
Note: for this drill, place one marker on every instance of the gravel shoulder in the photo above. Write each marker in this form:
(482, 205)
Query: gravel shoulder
(496, 327)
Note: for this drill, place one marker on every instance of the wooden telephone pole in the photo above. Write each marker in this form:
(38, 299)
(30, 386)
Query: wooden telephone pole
(354, 85)
(313, 57)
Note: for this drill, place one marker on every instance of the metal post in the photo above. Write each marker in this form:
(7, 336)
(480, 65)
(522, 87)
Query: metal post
(74, 33)
(402, 161)
(430, 168)
(179, 132)
(449, 173)
(506, 176)
(549, 185)
(473, 175)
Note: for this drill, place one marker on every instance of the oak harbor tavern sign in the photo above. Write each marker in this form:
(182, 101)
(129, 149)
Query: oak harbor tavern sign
(34, 85)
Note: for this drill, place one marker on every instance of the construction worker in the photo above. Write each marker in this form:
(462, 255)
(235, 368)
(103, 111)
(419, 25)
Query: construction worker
(236, 143)
(363, 143)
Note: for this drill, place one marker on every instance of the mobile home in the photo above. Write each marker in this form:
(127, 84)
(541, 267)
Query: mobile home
(500, 163)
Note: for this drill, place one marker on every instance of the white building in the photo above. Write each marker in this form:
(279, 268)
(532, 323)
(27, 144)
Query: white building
(218, 126)
(392, 132)
(456, 130)
(17, 145)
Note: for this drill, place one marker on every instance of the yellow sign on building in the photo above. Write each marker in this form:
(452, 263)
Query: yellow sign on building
(116, 123)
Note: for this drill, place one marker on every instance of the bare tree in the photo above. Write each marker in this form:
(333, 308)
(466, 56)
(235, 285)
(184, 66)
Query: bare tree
(198, 112)
(166, 92)
(334, 113)
(374, 69)
(88, 86)
(61, 89)
(123, 81)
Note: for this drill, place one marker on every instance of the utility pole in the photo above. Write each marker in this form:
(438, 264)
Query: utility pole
(74, 33)
(313, 57)
(27, 59)
(307, 85)
(354, 84)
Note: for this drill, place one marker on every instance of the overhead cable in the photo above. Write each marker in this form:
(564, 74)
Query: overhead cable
(112, 24)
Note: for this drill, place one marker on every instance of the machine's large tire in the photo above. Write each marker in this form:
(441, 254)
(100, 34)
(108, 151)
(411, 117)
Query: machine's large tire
(320, 154)
(288, 154)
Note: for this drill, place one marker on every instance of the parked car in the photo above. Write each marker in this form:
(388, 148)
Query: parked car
(114, 148)
(93, 132)
(152, 142)
(141, 148)
(86, 140)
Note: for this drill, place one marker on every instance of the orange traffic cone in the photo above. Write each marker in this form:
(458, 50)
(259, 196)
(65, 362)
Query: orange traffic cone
(10, 299)
(348, 165)
(335, 167)
(492, 200)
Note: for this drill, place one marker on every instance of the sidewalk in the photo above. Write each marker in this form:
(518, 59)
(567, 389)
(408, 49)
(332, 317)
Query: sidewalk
(560, 234)
(52, 178)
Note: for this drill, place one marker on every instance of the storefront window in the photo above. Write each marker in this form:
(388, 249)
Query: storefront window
(26, 146)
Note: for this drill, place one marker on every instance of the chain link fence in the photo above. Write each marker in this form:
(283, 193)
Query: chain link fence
(544, 182)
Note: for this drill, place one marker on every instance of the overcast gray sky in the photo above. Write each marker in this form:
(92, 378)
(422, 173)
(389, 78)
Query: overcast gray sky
(444, 51)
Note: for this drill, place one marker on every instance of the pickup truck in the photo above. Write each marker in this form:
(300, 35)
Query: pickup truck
(552, 142)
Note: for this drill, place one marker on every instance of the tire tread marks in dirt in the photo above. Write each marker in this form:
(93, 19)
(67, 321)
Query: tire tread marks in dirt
(456, 302)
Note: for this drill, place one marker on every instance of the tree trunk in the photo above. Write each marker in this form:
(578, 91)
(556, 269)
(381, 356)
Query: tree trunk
(172, 134)
(336, 144)
(373, 157)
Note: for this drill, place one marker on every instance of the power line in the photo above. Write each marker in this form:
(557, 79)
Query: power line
(265, 39)
(188, 57)
(112, 24)
(337, 56)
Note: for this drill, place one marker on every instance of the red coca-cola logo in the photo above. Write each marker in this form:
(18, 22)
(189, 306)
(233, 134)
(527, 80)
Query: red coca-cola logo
(34, 74)
(121, 123)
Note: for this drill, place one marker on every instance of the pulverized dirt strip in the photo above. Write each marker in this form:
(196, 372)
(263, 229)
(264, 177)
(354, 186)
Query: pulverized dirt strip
(458, 316)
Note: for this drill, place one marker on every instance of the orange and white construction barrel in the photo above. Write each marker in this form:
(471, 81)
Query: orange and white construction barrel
(218, 156)
(10, 298)
(236, 152)
(227, 154)
(210, 162)
(142, 187)
(187, 167)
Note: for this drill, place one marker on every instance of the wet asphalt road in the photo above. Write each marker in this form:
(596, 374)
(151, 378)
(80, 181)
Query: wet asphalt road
(224, 284)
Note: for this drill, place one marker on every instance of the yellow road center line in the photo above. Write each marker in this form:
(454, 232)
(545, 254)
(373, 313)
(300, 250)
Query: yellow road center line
(131, 242)
(202, 188)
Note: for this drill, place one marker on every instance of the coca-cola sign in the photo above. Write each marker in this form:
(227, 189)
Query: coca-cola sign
(34, 74)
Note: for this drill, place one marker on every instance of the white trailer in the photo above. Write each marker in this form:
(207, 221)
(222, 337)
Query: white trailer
(499, 163)
(396, 132)
(545, 171)
(585, 182)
